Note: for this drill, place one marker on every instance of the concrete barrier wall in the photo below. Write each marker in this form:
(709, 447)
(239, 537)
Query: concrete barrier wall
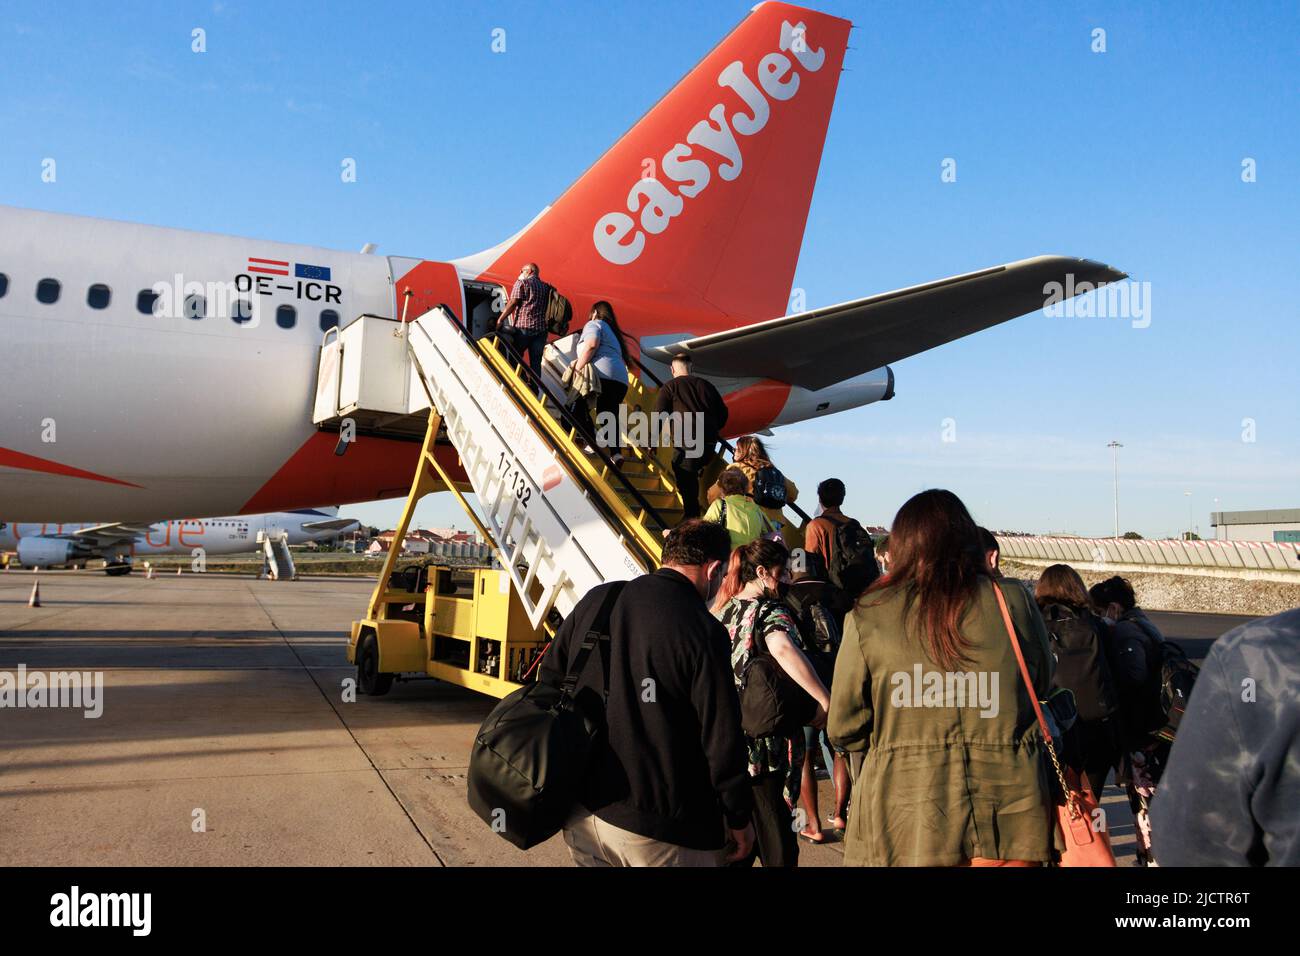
(460, 549)
(1241, 559)
(1174, 589)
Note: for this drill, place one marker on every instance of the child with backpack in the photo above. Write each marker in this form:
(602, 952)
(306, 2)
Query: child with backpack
(765, 483)
(736, 511)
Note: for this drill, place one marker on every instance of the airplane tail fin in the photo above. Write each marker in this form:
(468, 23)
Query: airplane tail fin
(705, 199)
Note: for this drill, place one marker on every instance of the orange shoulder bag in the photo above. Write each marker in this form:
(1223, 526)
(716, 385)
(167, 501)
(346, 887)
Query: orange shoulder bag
(1085, 845)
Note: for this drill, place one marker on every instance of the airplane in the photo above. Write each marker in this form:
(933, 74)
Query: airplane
(156, 370)
(46, 546)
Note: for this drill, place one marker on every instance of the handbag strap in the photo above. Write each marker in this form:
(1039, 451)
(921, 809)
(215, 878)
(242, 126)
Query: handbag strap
(1020, 660)
(598, 631)
(1070, 796)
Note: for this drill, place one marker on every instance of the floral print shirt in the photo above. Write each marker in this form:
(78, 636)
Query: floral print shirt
(743, 617)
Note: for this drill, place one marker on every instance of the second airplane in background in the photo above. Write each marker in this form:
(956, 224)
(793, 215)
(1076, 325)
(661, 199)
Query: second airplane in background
(64, 545)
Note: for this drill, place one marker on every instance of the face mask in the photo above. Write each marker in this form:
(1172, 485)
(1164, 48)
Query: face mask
(777, 591)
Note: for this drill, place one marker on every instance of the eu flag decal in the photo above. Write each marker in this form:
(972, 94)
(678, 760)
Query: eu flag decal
(303, 271)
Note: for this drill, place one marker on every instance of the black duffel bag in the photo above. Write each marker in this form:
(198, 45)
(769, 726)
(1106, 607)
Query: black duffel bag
(771, 702)
(533, 751)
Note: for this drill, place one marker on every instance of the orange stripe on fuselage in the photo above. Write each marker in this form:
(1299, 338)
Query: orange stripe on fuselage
(16, 459)
(372, 468)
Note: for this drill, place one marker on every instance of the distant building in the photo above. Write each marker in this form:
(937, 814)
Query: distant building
(1279, 525)
(415, 544)
(454, 535)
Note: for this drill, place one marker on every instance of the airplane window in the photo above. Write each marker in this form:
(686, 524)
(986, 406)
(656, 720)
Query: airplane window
(47, 291)
(328, 319)
(286, 317)
(196, 307)
(98, 296)
(146, 301)
(241, 310)
(4, 284)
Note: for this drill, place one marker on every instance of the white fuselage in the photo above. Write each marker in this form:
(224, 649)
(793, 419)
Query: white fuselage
(115, 410)
(168, 412)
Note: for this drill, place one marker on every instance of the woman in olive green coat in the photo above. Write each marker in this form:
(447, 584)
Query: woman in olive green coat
(929, 703)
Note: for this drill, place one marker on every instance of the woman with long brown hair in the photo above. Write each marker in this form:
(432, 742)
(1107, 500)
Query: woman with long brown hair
(928, 698)
(751, 606)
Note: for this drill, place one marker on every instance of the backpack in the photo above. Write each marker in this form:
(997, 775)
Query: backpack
(853, 564)
(1081, 663)
(818, 626)
(768, 532)
(1177, 676)
(558, 312)
(771, 702)
(768, 487)
(532, 753)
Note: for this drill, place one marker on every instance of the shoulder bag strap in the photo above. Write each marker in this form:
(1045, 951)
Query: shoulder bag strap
(599, 630)
(1033, 694)
(760, 643)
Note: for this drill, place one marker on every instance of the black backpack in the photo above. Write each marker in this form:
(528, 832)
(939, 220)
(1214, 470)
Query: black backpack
(818, 626)
(1177, 676)
(771, 702)
(533, 752)
(1081, 663)
(769, 487)
(853, 564)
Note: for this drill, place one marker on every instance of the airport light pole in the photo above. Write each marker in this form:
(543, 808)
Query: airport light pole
(1115, 447)
(1190, 532)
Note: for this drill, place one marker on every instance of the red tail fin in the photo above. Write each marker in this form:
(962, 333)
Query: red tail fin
(702, 204)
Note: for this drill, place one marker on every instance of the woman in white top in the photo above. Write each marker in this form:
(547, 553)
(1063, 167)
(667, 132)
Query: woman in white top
(602, 346)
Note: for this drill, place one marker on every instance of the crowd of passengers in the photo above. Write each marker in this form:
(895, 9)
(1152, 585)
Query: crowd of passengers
(839, 630)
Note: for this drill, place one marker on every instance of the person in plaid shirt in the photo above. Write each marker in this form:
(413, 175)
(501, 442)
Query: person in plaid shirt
(527, 334)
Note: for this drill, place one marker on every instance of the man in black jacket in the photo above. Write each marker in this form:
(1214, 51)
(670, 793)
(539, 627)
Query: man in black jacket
(689, 394)
(671, 776)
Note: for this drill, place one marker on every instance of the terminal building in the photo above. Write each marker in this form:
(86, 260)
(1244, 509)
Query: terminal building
(1279, 525)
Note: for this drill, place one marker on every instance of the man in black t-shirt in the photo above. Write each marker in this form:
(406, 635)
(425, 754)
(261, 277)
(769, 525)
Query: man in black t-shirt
(689, 394)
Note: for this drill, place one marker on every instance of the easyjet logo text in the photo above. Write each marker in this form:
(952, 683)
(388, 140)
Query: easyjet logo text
(619, 238)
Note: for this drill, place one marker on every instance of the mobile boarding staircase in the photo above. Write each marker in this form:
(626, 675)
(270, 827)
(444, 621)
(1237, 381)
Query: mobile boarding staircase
(277, 559)
(560, 517)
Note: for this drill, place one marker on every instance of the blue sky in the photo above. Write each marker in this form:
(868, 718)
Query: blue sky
(1132, 156)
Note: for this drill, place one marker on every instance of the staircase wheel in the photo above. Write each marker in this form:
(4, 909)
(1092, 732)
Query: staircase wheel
(369, 681)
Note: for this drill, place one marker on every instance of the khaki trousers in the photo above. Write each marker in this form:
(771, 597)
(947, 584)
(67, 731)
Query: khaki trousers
(593, 842)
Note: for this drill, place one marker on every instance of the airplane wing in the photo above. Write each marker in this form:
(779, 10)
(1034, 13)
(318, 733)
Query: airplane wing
(333, 524)
(106, 534)
(819, 348)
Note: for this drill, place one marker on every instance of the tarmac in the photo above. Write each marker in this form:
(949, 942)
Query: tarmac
(225, 738)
